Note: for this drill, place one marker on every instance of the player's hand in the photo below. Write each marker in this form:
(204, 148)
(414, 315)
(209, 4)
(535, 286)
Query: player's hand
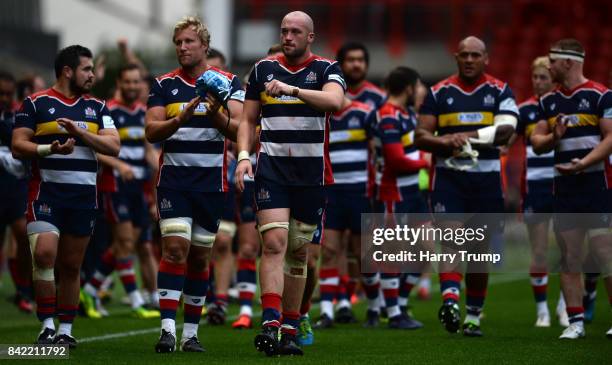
(125, 171)
(65, 148)
(213, 104)
(560, 126)
(571, 168)
(454, 140)
(244, 167)
(188, 110)
(70, 126)
(276, 88)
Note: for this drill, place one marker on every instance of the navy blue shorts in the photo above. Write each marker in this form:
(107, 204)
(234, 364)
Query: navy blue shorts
(229, 208)
(413, 207)
(13, 203)
(127, 204)
(585, 210)
(78, 222)
(306, 203)
(537, 207)
(246, 203)
(344, 208)
(205, 208)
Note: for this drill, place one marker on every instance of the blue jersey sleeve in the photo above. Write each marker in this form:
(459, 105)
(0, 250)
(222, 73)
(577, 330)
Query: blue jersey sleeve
(604, 107)
(429, 106)
(26, 116)
(156, 96)
(334, 74)
(506, 104)
(253, 88)
(389, 131)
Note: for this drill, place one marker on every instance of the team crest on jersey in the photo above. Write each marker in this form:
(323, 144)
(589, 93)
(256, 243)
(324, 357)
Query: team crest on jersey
(353, 123)
(553, 106)
(52, 110)
(312, 77)
(263, 195)
(165, 204)
(584, 105)
(439, 208)
(270, 77)
(174, 91)
(489, 100)
(450, 101)
(44, 209)
(89, 112)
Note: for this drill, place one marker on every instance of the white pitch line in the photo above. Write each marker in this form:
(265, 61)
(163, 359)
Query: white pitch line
(112, 336)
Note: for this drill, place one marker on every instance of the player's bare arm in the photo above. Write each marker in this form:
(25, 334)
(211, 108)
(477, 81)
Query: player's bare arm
(158, 128)
(105, 142)
(229, 128)
(24, 148)
(125, 170)
(544, 139)
(245, 137)
(601, 152)
(328, 100)
(426, 140)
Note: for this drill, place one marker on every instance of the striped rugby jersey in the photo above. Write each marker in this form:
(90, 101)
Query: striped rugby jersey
(64, 180)
(394, 125)
(194, 157)
(294, 136)
(585, 106)
(129, 121)
(350, 130)
(367, 93)
(539, 169)
(463, 108)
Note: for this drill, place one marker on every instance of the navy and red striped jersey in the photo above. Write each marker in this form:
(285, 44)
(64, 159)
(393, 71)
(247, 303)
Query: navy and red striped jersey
(64, 180)
(350, 130)
(194, 157)
(459, 107)
(394, 124)
(539, 169)
(585, 106)
(130, 122)
(367, 93)
(294, 137)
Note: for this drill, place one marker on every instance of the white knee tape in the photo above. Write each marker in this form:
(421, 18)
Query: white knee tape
(300, 233)
(228, 227)
(268, 226)
(180, 227)
(592, 233)
(201, 237)
(37, 272)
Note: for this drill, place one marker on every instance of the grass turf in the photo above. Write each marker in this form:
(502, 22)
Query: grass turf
(508, 326)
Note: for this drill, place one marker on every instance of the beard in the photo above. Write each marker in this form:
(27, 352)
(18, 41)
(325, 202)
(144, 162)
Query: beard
(78, 89)
(295, 53)
(353, 78)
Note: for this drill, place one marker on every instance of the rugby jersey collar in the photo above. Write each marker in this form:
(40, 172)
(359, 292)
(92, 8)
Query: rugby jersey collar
(188, 79)
(282, 60)
(468, 88)
(133, 107)
(364, 85)
(63, 98)
(567, 92)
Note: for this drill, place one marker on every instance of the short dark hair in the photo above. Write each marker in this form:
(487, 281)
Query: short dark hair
(352, 46)
(215, 53)
(275, 48)
(127, 67)
(569, 44)
(71, 57)
(7, 76)
(399, 78)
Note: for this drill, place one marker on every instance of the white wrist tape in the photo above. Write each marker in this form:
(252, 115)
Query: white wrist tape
(243, 155)
(43, 150)
(486, 135)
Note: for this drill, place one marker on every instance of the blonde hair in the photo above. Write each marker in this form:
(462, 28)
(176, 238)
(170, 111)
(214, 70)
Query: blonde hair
(540, 62)
(192, 21)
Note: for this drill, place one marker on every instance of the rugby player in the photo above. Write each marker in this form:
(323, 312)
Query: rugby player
(294, 92)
